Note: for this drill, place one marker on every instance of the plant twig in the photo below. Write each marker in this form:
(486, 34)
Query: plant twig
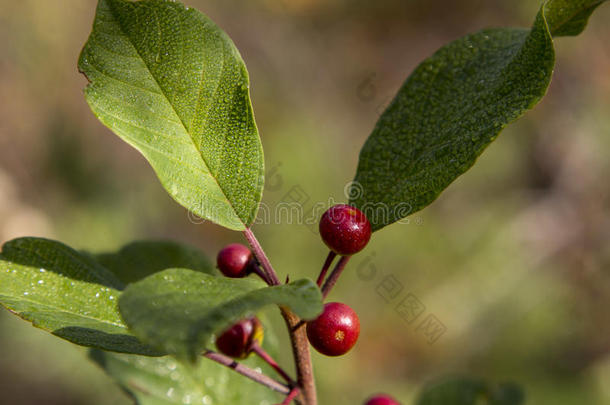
(329, 260)
(291, 396)
(260, 352)
(261, 256)
(248, 372)
(298, 336)
(302, 358)
(259, 272)
(334, 276)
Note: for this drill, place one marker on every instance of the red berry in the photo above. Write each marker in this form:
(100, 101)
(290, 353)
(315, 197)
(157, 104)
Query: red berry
(240, 338)
(381, 399)
(336, 331)
(345, 229)
(234, 260)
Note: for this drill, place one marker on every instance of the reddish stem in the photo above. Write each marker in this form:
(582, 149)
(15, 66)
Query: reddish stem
(329, 260)
(248, 372)
(261, 256)
(260, 352)
(306, 395)
(302, 358)
(291, 396)
(259, 272)
(334, 276)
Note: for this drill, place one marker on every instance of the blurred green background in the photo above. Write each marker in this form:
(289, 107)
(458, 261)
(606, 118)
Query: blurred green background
(513, 259)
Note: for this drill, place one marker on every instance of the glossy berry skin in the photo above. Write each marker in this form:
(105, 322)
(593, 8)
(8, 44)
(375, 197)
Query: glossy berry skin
(336, 331)
(381, 399)
(234, 260)
(345, 229)
(239, 339)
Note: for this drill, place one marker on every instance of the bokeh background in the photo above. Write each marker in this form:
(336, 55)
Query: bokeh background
(513, 259)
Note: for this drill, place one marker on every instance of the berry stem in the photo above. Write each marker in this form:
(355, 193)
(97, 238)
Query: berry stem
(334, 276)
(298, 335)
(260, 352)
(302, 358)
(261, 256)
(325, 267)
(259, 272)
(248, 372)
(291, 396)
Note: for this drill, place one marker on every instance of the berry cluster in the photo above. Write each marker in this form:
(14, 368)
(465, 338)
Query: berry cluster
(346, 231)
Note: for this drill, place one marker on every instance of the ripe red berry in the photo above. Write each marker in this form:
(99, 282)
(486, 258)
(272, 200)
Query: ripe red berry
(381, 399)
(239, 339)
(234, 260)
(345, 229)
(336, 331)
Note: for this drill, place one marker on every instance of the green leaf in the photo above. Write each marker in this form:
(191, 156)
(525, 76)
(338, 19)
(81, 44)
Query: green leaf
(452, 107)
(140, 259)
(171, 83)
(165, 381)
(470, 391)
(569, 17)
(66, 293)
(178, 310)
(56, 257)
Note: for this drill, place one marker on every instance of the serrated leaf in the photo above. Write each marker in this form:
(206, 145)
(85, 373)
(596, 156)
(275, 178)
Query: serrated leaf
(66, 293)
(172, 84)
(165, 381)
(178, 310)
(470, 391)
(140, 259)
(452, 107)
